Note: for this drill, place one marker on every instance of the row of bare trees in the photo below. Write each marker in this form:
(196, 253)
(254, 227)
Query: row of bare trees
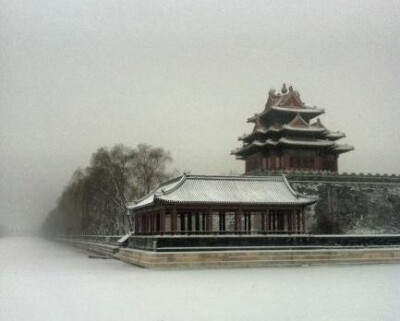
(94, 202)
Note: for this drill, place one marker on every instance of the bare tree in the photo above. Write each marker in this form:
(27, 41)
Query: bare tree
(150, 168)
(95, 200)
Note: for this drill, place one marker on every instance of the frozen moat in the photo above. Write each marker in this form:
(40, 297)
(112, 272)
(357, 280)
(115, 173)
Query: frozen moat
(41, 280)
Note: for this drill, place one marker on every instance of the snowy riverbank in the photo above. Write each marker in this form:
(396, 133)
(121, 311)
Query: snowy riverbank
(40, 280)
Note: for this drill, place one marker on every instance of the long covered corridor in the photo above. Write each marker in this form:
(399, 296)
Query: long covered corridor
(170, 221)
(221, 205)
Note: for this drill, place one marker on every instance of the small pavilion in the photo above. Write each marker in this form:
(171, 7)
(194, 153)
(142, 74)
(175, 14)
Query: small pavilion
(214, 205)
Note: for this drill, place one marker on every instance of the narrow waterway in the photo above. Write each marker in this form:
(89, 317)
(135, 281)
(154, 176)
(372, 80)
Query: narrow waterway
(42, 280)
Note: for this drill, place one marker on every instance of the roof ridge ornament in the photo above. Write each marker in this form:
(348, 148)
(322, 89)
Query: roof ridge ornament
(284, 89)
(271, 92)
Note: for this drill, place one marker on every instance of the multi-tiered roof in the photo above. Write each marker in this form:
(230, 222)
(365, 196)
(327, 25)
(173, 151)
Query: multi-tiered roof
(286, 122)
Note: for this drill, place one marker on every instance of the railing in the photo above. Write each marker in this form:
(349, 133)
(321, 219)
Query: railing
(252, 242)
(187, 232)
(229, 240)
(108, 239)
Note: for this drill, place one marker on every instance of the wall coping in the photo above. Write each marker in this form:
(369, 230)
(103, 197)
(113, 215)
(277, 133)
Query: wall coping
(330, 176)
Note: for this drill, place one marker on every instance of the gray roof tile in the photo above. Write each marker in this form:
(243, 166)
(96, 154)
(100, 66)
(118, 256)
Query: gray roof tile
(246, 190)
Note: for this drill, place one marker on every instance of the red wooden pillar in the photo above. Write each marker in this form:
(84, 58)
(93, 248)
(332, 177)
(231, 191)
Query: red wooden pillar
(303, 223)
(173, 220)
(236, 221)
(292, 228)
(263, 221)
(285, 221)
(209, 221)
(272, 217)
(162, 221)
(286, 161)
(147, 221)
(270, 226)
(238, 216)
(272, 220)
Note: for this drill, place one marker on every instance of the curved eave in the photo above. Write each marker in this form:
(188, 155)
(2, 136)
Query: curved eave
(306, 112)
(340, 149)
(140, 207)
(302, 202)
(303, 129)
(150, 198)
(301, 110)
(310, 199)
(312, 143)
(248, 148)
(334, 136)
(252, 135)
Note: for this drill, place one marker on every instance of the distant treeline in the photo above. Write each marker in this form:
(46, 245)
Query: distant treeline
(94, 200)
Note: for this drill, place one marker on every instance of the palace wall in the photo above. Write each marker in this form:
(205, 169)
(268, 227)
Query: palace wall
(349, 203)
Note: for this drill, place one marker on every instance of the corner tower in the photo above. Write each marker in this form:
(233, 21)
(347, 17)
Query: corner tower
(286, 137)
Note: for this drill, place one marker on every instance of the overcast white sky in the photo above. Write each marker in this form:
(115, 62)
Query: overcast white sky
(184, 75)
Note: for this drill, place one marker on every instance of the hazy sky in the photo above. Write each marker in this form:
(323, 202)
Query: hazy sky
(184, 75)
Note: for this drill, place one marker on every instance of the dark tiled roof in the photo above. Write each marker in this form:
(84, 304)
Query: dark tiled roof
(246, 190)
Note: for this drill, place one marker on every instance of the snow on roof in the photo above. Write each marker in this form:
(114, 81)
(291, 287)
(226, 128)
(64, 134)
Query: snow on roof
(304, 129)
(249, 146)
(343, 148)
(300, 110)
(286, 141)
(334, 135)
(304, 142)
(246, 190)
(305, 110)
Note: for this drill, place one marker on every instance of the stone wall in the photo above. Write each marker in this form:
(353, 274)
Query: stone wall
(240, 258)
(349, 203)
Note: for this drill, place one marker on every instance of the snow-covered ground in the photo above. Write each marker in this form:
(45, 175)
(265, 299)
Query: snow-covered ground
(40, 280)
